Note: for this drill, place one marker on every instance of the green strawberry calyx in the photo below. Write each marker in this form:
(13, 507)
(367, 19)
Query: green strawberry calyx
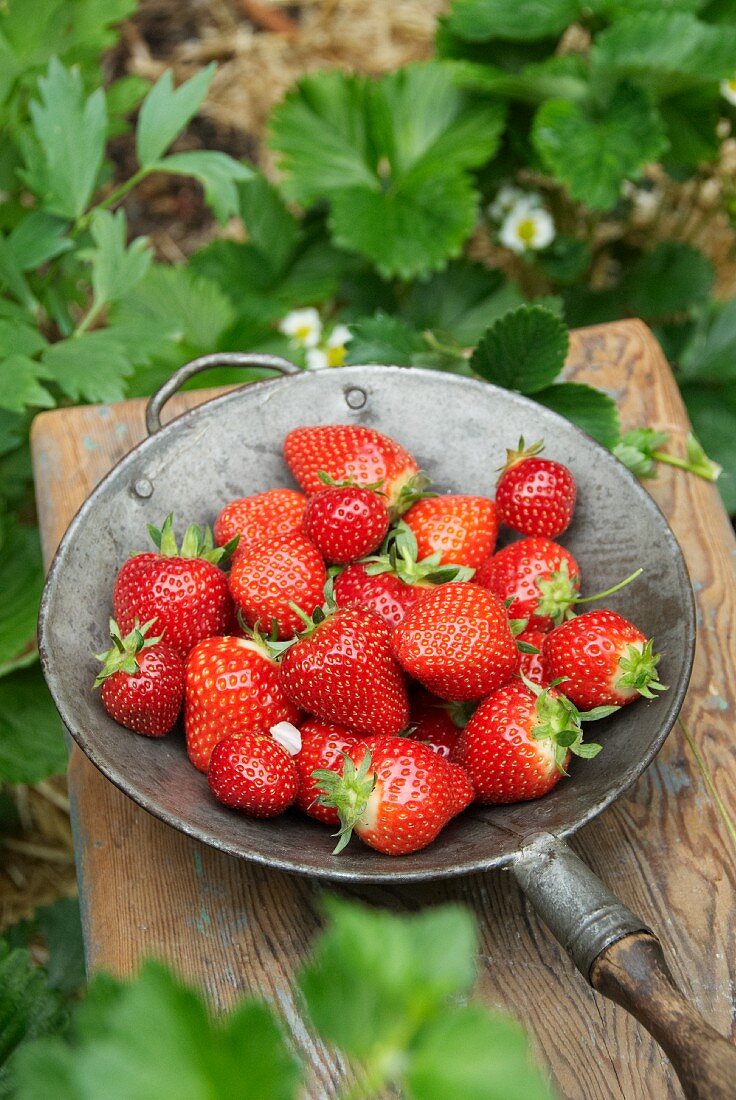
(349, 483)
(398, 555)
(197, 543)
(559, 593)
(123, 654)
(416, 488)
(560, 721)
(348, 793)
(639, 667)
(518, 454)
(311, 622)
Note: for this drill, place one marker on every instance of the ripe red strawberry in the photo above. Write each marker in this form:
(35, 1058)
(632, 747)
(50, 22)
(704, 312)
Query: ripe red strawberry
(263, 516)
(142, 681)
(390, 582)
(457, 642)
(605, 659)
(540, 578)
(232, 687)
(461, 529)
(349, 452)
(435, 723)
(396, 794)
(182, 591)
(518, 743)
(323, 745)
(535, 495)
(346, 522)
(254, 774)
(269, 575)
(341, 670)
(532, 664)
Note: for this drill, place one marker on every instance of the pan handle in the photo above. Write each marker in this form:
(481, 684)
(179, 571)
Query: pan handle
(623, 960)
(206, 362)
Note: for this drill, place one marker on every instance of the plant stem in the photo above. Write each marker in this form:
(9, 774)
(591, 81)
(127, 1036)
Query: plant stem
(610, 591)
(113, 198)
(702, 470)
(720, 806)
(90, 316)
(444, 349)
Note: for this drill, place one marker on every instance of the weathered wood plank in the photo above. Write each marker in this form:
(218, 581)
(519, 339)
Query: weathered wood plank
(150, 891)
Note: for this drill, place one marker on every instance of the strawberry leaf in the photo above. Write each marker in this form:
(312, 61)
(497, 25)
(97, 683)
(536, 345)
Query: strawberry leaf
(166, 111)
(523, 350)
(383, 339)
(594, 149)
(22, 384)
(28, 1011)
(479, 20)
(592, 410)
(116, 268)
(31, 739)
(74, 365)
(394, 161)
(21, 582)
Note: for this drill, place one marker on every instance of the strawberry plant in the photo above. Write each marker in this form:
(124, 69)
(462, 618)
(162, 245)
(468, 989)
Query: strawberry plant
(390, 994)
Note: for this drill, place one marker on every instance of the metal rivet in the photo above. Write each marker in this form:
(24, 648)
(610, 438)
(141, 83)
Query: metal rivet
(356, 398)
(143, 487)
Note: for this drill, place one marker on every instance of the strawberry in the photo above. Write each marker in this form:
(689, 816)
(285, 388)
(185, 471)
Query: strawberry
(532, 663)
(341, 669)
(254, 774)
(535, 495)
(604, 658)
(323, 745)
(232, 687)
(270, 575)
(349, 452)
(182, 591)
(263, 516)
(435, 723)
(142, 681)
(390, 582)
(540, 578)
(518, 743)
(457, 642)
(396, 794)
(346, 522)
(461, 529)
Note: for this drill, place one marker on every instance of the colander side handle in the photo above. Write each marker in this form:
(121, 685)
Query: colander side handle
(623, 960)
(206, 362)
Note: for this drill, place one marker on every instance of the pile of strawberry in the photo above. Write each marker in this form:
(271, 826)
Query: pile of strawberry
(370, 657)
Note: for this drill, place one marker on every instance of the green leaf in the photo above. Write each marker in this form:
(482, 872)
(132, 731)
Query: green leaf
(28, 1010)
(470, 1053)
(166, 111)
(183, 1053)
(710, 356)
(478, 20)
(670, 279)
(38, 237)
(90, 367)
(21, 582)
(667, 51)
(566, 259)
(217, 172)
(61, 927)
(712, 411)
(637, 450)
(593, 151)
(463, 301)
(523, 350)
(116, 268)
(21, 386)
(691, 122)
(383, 339)
(592, 410)
(375, 974)
(393, 163)
(71, 132)
(272, 229)
(31, 740)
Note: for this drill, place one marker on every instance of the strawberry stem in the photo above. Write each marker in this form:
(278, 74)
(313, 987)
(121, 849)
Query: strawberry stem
(609, 591)
(521, 452)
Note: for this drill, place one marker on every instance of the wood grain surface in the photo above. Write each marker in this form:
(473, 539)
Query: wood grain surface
(149, 891)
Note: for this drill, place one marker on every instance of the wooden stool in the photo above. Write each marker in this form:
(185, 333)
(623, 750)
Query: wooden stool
(234, 927)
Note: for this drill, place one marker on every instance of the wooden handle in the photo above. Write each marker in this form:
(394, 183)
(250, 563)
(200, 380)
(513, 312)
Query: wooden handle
(633, 973)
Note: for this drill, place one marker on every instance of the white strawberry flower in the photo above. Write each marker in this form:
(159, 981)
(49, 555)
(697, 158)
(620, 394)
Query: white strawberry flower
(288, 736)
(527, 229)
(317, 359)
(509, 197)
(332, 352)
(728, 90)
(304, 326)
